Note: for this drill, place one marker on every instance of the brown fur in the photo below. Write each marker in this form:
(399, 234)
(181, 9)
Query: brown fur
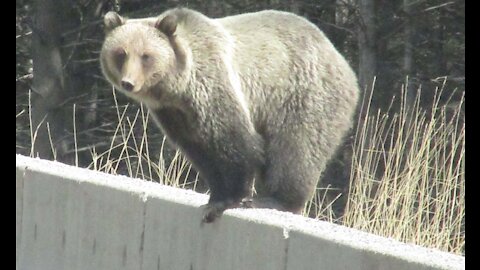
(262, 95)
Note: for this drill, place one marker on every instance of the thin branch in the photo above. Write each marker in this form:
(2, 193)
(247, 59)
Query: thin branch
(439, 6)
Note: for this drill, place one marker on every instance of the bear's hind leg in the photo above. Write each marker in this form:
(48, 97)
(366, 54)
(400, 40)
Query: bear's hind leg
(294, 162)
(287, 193)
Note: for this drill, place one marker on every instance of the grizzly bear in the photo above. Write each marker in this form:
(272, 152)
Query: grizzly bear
(260, 97)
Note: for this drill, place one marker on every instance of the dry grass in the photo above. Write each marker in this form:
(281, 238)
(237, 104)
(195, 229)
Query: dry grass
(408, 176)
(321, 205)
(131, 151)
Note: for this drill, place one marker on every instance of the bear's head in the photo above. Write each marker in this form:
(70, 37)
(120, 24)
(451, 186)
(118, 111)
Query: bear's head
(138, 55)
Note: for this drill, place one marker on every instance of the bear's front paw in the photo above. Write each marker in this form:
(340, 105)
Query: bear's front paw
(212, 211)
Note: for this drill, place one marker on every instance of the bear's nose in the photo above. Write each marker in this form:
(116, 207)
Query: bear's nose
(128, 86)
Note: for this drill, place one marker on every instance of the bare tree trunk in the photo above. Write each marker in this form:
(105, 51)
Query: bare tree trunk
(294, 6)
(367, 43)
(329, 17)
(213, 8)
(438, 45)
(48, 77)
(408, 52)
(408, 49)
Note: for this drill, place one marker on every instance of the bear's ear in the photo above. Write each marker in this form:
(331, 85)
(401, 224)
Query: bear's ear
(168, 25)
(112, 20)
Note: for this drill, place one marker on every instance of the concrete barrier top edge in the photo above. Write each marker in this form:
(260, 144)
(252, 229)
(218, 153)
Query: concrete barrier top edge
(292, 224)
(142, 187)
(370, 242)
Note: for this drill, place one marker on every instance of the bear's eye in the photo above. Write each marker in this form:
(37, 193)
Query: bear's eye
(119, 57)
(145, 57)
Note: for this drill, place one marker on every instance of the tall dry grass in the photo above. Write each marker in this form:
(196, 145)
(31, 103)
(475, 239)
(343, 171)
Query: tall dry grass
(130, 151)
(408, 174)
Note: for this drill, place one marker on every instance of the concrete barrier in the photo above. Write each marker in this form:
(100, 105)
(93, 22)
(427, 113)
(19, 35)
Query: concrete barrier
(73, 218)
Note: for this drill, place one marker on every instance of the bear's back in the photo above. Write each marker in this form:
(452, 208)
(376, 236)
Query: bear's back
(271, 58)
(273, 36)
(269, 24)
(279, 46)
